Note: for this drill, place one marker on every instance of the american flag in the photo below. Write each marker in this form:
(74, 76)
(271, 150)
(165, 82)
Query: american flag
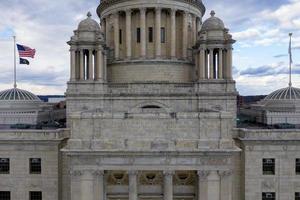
(25, 51)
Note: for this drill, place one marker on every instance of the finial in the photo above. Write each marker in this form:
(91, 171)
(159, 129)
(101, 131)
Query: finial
(212, 13)
(89, 14)
(290, 34)
(291, 59)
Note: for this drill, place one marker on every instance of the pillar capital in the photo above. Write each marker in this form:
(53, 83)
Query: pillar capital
(132, 173)
(225, 173)
(158, 9)
(143, 10)
(202, 174)
(128, 11)
(173, 11)
(168, 172)
(98, 172)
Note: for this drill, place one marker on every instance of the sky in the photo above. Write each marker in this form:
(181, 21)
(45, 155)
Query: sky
(260, 27)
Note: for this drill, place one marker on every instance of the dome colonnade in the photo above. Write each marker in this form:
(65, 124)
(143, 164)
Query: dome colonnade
(213, 58)
(153, 31)
(88, 53)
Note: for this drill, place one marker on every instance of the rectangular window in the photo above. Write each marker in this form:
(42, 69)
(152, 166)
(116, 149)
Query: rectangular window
(268, 196)
(298, 166)
(297, 196)
(35, 165)
(150, 34)
(120, 36)
(4, 165)
(268, 166)
(35, 195)
(138, 35)
(4, 195)
(163, 35)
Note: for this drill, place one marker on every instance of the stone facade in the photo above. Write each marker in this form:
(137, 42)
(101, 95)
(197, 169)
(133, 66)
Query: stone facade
(149, 120)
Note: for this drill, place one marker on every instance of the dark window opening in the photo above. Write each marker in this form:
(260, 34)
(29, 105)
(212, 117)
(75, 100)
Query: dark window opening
(151, 107)
(4, 165)
(163, 35)
(35, 165)
(138, 35)
(150, 34)
(35, 195)
(120, 36)
(297, 196)
(269, 166)
(298, 166)
(268, 196)
(4, 195)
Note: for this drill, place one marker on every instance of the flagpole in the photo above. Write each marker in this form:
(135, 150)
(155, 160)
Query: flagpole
(290, 52)
(15, 63)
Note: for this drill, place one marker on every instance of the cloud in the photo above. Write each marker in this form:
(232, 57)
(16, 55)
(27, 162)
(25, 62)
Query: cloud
(280, 55)
(269, 70)
(45, 26)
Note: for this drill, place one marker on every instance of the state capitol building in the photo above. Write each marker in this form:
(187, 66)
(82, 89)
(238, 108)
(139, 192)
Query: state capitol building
(151, 111)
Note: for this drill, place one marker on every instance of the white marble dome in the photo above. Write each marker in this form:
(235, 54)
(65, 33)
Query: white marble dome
(88, 24)
(289, 93)
(213, 23)
(16, 94)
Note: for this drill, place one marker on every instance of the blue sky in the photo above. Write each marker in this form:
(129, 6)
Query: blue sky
(260, 27)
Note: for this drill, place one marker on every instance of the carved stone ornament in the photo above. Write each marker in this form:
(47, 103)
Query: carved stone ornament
(225, 173)
(75, 173)
(185, 178)
(203, 174)
(98, 173)
(117, 178)
(151, 178)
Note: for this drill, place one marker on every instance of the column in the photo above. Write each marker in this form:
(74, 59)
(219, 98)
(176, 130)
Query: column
(90, 65)
(143, 32)
(229, 63)
(81, 65)
(198, 25)
(185, 35)
(75, 184)
(213, 186)
(100, 67)
(73, 65)
(206, 64)
(87, 186)
(157, 31)
(226, 184)
(128, 33)
(220, 64)
(168, 185)
(194, 29)
(202, 64)
(202, 185)
(133, 190)
(116, 36)
(99, 185)
(104, 67)
(173, 33)
(211, 64)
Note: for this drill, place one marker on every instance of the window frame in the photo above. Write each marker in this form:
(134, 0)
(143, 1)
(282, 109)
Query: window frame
(266, 194)
(120, 36)
(38, 195)
(138, 35)
(163, 35)
(6, 168)
(267, 165)
(150, 34)
(2, 196)
(297, 195)
(31, 166)
(297, 166)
